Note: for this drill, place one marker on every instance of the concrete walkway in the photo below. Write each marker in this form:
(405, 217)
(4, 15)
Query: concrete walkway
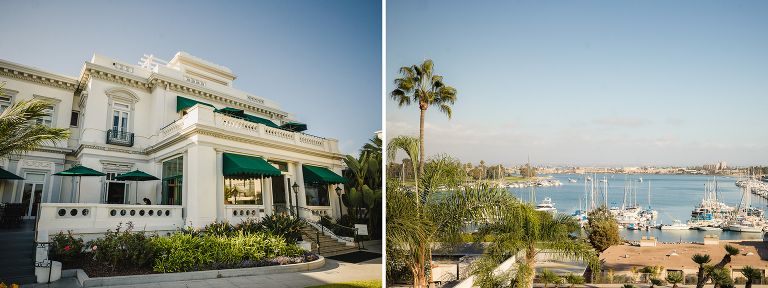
(333, 272)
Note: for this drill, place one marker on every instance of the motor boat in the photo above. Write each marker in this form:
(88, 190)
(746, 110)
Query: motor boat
(571, 180)
(547, 206)
(676, 225)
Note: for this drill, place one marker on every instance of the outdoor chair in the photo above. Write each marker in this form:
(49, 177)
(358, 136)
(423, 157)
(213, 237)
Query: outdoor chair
(12, 213)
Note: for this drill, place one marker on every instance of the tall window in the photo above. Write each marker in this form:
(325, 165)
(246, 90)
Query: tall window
(73, 119)
(173, 171)
(317, 194)
(48, 119)
(5, 102)
(32, 193)
(120, 117)
(243, 191)
(117, 190)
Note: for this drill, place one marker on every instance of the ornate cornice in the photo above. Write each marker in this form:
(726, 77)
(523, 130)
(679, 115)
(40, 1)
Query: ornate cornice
(55, 150)
(91, 70)
(13, 70)
(110, 149)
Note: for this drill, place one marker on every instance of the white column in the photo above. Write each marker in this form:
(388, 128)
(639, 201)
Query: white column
(159, 184)
(220, 210)
(199, 185)
(302, 193)
(267, 195)
(287, 188)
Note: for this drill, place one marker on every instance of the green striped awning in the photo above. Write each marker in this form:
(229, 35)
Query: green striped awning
(184, 103)
(80, 171)
(298, 127)
(247, 167)
(255, 119)
(320, 174)
(233, 111)
(4, 174)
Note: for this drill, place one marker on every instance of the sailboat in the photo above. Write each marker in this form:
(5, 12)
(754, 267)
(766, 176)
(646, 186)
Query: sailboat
(649, 213)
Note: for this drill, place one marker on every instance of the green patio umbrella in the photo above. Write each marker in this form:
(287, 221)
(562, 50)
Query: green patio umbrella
(4, 174)
(80, 171)
(297, 127)
(136, 175)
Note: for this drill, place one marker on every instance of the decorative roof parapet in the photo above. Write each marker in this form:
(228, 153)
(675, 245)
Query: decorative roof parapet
(32, 74)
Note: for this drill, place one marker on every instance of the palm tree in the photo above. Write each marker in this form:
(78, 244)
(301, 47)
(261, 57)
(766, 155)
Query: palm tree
(20, 133)
(701, 259)
(373, 147)
(419, 84)
(730, 251)
(720, 276)
(750, 273)
(655, 282)
(575, 280)
(524, 229)
(674, 278)
(416, 221)
(410, 145)
(548, 276)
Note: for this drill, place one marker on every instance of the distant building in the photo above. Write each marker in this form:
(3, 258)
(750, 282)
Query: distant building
(721, 165)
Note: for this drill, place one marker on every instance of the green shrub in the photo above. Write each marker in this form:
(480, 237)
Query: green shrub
(180, 252)
(281, 224)
(219, 229)
(66, 247)
(249, 226)
(129, 247)
(740, 280)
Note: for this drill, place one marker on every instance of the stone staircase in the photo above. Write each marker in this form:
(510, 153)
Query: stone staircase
(16, 263)
(328, 245)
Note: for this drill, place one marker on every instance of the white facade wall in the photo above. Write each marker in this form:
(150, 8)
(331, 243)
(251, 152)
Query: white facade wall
(159, 134)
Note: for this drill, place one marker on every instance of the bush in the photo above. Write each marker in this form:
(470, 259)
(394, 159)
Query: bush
(740, 280)
(219, 229)
(185, 252)
(66, 247)
(249, 226)
(127, 247)
(281, 224)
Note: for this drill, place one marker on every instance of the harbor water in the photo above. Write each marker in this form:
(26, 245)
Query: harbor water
(673, 196)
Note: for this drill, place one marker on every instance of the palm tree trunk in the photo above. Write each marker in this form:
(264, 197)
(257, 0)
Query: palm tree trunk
(749, 283)
(725, 261)
(530, 261)
(423, 107)
(419, 277)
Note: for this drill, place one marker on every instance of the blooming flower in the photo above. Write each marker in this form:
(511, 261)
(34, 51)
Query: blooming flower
(94, 247)
(66, 248)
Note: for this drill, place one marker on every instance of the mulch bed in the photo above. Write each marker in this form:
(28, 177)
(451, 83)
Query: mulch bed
(95, 269)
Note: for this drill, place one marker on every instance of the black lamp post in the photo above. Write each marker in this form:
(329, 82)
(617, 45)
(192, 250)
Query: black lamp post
(296, 192)
(338, 193)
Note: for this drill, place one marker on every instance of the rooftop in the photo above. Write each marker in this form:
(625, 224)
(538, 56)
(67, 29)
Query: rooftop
(615, 256)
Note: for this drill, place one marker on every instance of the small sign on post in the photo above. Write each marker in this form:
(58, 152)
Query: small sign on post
(362, 229)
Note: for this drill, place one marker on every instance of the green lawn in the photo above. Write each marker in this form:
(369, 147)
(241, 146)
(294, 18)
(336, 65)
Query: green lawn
(352, 284)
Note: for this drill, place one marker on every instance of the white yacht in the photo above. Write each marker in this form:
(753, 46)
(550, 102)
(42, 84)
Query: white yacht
(571, 180)
(640, 179)
(677, 225)
(547, 205)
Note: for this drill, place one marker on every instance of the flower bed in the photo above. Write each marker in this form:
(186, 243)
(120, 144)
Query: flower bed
(217, 246)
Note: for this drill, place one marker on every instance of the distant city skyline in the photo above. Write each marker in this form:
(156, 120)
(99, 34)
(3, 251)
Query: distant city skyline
(587, 83)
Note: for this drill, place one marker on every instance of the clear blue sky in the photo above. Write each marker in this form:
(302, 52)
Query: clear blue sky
(588, 82)
(320, 60)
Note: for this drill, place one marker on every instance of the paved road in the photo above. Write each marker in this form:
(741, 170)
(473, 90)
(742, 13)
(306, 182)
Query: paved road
(333, 272)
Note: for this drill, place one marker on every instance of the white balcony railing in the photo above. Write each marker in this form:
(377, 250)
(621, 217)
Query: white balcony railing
(201, 116)
(87, 218)
(238, 213)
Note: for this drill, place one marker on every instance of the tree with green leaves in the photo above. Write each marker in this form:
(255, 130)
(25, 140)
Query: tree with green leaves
(721, 276)
(674, 278)
(430, 217)
(751, 274)
(655, 282)
(419, 84)
(20, 131)
(730, 251)
(574, 280)
(527, 171)
(522, 228)
(410, 145)
(547, 276)
(601, 229)
(701, 259)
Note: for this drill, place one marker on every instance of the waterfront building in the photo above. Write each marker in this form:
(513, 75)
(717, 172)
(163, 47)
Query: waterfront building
(221, 154)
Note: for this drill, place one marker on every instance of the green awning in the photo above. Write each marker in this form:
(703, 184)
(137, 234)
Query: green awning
(80, 171)
(255, 119)
(298, 127)
(4, 174)
(136, 175)
(184, 103)
(233, 111)
(320, 174)
(247, 167)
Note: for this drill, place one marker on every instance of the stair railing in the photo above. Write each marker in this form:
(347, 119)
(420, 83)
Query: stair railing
(42, 245)
(322, 228)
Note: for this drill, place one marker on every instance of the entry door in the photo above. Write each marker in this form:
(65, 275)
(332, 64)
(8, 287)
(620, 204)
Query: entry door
(32, 193)
(278, 190)
(118, 192)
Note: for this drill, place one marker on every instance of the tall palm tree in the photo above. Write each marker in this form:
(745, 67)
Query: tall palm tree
(20, 133)
(522, 228)
(419, 84)
(701, 259)
(730, 251)
(417, 221)
(750, 273)
(410, 145)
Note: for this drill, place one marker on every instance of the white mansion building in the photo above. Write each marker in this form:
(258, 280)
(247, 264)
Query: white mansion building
(221, 154)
